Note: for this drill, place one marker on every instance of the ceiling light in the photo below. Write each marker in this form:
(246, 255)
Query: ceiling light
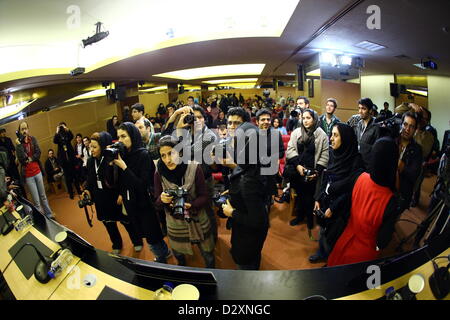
(345, 60)
(419, 92)
(290, 74)
(371, 46)
(90, 94)
(153, 89)
(328, 58)
(215, 71)
(231, 80)
(313, 73)
(419, 65)
(14, 108)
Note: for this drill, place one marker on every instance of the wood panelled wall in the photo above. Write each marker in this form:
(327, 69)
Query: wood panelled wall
(84, 118)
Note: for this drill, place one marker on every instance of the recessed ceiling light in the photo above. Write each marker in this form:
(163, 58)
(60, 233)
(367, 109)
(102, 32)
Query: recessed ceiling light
(231, 80)
(371, 46)
(290, 74)
(215, 71)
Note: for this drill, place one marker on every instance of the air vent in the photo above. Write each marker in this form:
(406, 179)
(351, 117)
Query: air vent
(371, 46)
(402, 56)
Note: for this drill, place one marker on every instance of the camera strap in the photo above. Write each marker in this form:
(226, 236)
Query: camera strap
(99, 183)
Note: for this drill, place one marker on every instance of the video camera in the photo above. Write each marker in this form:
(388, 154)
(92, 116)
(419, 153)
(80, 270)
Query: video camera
(179, 196)
(391, 127)
(319, 214)
(308, 173)
(112, 152)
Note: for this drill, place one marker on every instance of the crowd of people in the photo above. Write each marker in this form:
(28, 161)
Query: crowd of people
(155, 175)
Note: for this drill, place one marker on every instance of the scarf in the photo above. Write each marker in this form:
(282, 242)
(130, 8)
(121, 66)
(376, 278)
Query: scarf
(343, 157)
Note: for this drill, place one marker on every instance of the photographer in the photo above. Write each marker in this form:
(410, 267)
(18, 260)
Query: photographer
(307, 156)
(247, 204)
(103, 190)
(28, 153)
(191, 128)
(135, 181)
(66, 156)
(337, 182)
(192, 226)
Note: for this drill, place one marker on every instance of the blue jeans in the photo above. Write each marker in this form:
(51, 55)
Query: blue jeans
(161, 251)
(35, 185)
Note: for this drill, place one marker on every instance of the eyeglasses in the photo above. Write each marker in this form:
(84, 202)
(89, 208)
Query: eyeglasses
(235, 123)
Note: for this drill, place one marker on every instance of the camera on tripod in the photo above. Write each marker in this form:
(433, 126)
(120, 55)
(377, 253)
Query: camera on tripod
(112, 152)
(86, 201)
(179, 196)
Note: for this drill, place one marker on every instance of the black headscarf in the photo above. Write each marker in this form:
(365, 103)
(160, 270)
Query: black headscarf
(308, 134)
(344, 156)
(105, 140)
(135, 137)
(105, 172)
(383, 162)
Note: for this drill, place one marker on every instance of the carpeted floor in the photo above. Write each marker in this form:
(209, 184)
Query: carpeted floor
(286, 247)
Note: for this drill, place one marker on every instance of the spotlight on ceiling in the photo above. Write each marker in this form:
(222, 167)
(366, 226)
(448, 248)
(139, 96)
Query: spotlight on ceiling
(99, 35)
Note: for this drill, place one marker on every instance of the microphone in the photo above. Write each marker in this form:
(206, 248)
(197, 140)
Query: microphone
(42, 267)
(439, 281)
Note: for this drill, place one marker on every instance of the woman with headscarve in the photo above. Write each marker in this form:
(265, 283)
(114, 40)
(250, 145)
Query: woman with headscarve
(188, 225)
(102, 187)
(136, 183)
(308, 152)
(374, 209)
(337, 182)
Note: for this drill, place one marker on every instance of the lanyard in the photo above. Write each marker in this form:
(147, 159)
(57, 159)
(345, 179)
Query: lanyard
(98, 167)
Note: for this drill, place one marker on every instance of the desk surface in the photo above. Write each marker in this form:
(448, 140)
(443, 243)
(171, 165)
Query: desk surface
(28, 289)
(343, 282)
(73, 288)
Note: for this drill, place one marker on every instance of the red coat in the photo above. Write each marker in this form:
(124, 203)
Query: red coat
(358, 241)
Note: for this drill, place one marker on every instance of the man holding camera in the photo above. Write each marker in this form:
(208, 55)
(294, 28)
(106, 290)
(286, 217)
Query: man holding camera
(66, 156)
(247, 204)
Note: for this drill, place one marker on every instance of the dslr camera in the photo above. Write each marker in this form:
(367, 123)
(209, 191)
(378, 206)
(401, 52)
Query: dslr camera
(179, 196)
(308, 173)
(86, 201)
(112, 152)
(189, 119)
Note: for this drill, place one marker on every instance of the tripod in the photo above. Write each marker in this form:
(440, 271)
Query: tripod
(435, 216)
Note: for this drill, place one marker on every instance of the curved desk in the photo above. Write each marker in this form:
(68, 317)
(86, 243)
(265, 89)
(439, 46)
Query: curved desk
(117, 278)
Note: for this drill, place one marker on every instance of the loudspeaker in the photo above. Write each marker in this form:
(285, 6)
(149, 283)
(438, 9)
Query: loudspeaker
(181, 90)
(111, 95)
(300, 77)
(395, 92)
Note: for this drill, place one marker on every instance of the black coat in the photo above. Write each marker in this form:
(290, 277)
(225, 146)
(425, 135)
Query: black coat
(135, 185)
(250, 218)
(412, 157)
(66, 154)
(105, 199)
(367, 139)
(50, 171)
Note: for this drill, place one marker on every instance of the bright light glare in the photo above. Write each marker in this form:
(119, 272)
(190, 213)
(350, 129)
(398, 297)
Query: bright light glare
(231, 80)
(215, 71)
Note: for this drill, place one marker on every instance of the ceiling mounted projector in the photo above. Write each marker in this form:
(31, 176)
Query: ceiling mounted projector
(99, 35)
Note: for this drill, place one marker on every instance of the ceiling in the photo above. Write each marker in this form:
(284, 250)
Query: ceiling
(413, 28)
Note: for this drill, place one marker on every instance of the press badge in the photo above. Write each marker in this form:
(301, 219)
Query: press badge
(99, 184)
